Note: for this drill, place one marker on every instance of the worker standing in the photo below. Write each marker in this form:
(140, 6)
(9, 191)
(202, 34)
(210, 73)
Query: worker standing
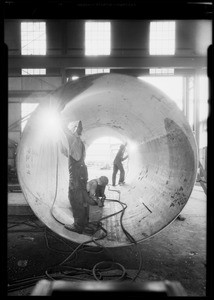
(96, 190)
(78, 176)
(117, 165)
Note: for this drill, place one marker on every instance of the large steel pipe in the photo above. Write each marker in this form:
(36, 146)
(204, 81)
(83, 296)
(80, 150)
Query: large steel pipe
(162, 163)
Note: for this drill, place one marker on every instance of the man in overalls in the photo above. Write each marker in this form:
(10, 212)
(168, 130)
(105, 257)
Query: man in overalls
(78, 176)
(117, 165)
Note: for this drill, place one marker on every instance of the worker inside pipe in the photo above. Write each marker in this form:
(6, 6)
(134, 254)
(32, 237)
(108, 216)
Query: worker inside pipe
(96, 190)
(118, 166)
(78, 176)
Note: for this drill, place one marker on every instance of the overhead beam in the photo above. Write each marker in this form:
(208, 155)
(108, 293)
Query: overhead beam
(26, 94)
(145, 62)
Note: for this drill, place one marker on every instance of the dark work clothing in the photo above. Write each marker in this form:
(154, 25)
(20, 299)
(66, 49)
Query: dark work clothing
(100, 191)
(115, 170)
(78, 200)
(78, 196)
(119, 157)
(78, 173)
(118, 166)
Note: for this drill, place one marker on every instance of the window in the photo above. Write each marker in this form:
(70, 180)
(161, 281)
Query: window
(72, 78)
(96, 71)
(161, 71)
(162, 38)
(33, 71)
(97, 38)
(26, 109)
(33, 38)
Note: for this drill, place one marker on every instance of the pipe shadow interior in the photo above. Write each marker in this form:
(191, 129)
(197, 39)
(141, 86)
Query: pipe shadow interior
(162, 163)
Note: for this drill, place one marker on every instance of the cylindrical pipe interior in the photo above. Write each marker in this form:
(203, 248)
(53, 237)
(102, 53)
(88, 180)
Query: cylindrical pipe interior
(162, 163)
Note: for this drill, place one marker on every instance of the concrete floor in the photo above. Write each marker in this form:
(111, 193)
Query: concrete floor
(178, 253)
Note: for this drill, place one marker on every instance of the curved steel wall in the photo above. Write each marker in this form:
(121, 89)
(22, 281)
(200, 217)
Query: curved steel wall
(162, 165)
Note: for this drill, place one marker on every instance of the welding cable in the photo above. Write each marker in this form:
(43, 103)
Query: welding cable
(26, 230)
(102, 249)
(16, 224)
(32, 281)
(21, 287)
(28, 282)
(34, 221)
(53, 249)
(52, 276)
(76, 271)
(20, 284)
(74, 252)
(26, 222)
(123, 273)
(21, 230)
(23, 284)
(27, 279)
(54, 199)
(124, 205)
(58, 238)
(93, 239)
(92, 250)
(65, 260)
(69, 273)
(129, 236)
(49, 276)
(57, 250)
(45, 234)
(21, 223)
(108, 216)
(55, 196)
(132, 240)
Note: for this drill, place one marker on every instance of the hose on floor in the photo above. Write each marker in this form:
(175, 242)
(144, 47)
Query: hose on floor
(95, 272)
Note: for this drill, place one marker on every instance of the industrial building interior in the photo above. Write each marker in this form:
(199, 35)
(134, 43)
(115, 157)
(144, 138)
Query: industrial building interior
(142, 82)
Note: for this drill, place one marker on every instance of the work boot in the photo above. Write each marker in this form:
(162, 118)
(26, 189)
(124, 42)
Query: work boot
(89, 230)
(122, 183)
(74, 228)
(180, 218)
